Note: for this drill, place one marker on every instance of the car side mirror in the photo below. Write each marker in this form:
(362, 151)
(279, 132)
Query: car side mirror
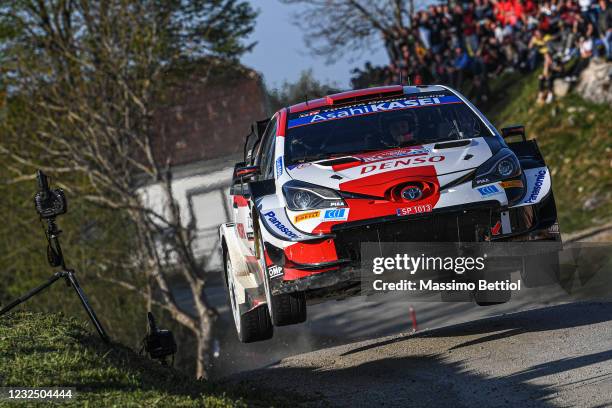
(515, 130)
(246, 172)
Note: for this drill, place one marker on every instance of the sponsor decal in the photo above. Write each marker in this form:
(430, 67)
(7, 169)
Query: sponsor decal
(483, 180)
(537, 187)
(279, 166)
(306, 216)
(365, 109)
(512, 184)
(275, 271)
(496, 228)
(488, 190)
(336, 214)
(391, 154)
(417, 209)
(401, 163)
(271, 217)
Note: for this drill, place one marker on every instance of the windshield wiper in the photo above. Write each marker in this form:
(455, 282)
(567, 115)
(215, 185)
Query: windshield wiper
(415, 142)
(374, 149)
(427, 141)
(310, 158)
(459, 132)
(323, 156)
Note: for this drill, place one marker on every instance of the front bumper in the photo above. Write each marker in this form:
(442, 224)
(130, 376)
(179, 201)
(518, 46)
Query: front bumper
(466, 223)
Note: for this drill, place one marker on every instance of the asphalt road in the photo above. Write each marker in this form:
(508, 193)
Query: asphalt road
(552, 356)
(357, 319)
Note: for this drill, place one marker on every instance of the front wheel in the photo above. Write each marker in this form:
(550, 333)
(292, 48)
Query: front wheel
(493, 297)
(540, 270)
(287, 308)
(254, 325)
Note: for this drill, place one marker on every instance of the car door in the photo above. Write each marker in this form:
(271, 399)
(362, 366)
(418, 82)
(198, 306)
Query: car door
(242, 204)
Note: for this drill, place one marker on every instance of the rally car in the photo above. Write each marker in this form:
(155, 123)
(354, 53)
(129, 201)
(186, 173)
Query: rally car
(385, 164)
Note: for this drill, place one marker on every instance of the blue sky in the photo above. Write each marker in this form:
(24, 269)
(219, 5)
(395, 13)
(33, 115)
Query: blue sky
(281, 53)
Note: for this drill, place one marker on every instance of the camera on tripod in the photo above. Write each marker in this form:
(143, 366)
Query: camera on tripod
(49, 203)
(159, 343)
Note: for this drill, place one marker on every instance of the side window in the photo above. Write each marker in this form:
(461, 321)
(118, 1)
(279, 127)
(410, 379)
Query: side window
(266, 156)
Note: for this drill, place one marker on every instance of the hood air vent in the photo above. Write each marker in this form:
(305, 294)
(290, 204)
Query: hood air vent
(450, 145)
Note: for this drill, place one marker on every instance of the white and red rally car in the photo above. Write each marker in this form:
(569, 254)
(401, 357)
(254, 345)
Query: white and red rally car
(386, 164)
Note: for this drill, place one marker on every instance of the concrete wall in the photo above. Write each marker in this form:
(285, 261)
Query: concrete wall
(202, 196)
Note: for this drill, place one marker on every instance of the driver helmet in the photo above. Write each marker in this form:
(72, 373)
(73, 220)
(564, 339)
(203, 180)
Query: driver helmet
(403, 127)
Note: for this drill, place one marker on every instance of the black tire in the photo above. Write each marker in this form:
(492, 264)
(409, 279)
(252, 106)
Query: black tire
(256, 325)
(288, 309)
(540, 270)
(285, 309)
(455, 296)
(493, 297)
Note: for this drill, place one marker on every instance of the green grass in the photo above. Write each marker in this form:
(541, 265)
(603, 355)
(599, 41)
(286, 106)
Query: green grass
(575, 137)
(50, 350)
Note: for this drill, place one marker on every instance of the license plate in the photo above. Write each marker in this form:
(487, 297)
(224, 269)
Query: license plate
(416, 209)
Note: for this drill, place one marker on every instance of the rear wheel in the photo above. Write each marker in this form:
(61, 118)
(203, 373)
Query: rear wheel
(254, 325)
(493, 297)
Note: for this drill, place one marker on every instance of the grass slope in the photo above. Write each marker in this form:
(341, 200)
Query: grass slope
(575, 137)
(49, 350)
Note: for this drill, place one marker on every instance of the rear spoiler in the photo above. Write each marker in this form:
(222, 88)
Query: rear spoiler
(253, 138)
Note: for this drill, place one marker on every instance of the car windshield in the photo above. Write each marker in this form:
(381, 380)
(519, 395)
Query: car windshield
(379, 125)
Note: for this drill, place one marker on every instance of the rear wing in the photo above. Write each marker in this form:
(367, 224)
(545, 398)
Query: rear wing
(253, 139)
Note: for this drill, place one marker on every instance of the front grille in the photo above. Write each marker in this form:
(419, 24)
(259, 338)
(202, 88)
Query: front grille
(471, 225)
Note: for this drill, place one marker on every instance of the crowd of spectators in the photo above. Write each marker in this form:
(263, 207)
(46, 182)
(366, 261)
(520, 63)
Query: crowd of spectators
(464, 43)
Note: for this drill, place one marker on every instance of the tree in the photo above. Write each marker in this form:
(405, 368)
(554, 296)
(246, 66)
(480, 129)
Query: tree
(337, 27)
(84, 80)
(306, 87)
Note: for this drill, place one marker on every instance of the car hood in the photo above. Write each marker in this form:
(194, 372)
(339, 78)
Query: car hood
(372, 173)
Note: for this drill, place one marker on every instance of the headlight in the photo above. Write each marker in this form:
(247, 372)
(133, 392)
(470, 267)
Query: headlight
(505, 168)
(304, 196)
(501, 166)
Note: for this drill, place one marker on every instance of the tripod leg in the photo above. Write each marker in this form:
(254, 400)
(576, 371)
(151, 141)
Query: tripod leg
(92, 315)
(31, 293)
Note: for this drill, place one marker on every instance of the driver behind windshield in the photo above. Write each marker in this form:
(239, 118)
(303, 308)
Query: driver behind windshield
(403, 129)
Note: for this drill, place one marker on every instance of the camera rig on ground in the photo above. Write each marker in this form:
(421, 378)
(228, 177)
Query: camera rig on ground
(49, 204)
(158, 343)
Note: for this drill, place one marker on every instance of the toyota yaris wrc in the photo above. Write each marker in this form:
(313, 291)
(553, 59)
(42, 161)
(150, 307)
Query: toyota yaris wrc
(387, 164)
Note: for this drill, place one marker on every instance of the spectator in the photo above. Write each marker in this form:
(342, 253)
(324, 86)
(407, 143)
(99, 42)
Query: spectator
(552, 70)
(472, 40)
(604, 26)
(461, 65)
(424, 30)
(586, 52)
(586, 10)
